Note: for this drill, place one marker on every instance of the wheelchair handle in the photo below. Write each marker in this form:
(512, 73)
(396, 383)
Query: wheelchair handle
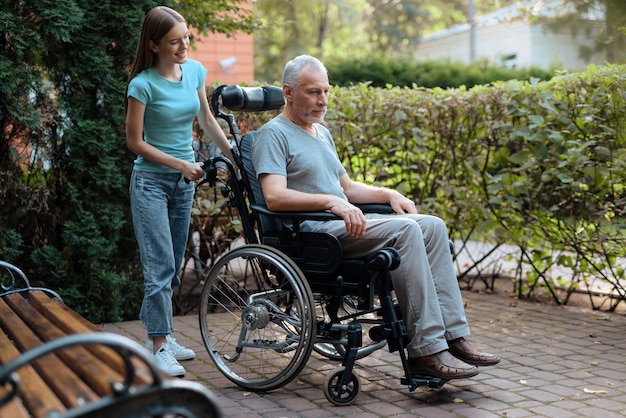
(209, 168)
(252, 99)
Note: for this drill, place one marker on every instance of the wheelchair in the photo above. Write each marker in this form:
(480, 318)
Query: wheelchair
(267, 304)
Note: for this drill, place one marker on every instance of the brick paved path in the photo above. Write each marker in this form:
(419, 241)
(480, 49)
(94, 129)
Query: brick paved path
(556, 362)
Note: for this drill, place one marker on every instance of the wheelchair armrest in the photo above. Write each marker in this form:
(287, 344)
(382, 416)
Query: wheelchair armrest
(382, 208)
(294, 216)
(318, 215)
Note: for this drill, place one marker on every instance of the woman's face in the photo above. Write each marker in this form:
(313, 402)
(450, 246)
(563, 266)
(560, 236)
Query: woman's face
(173, 47)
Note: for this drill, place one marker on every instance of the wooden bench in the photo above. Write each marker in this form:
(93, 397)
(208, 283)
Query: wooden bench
(55, 363)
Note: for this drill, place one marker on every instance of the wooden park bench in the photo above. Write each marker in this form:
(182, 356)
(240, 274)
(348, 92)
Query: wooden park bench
(54, 363)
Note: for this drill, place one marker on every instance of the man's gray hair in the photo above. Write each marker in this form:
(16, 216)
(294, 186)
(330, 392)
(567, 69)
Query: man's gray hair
(296, 65)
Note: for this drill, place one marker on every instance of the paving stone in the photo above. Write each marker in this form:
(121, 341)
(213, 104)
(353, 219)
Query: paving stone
(553, 412)
(554, 362)
(600, 413)
(516, 413)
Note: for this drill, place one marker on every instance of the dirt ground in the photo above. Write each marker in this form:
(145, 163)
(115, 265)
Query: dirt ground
(507, 287)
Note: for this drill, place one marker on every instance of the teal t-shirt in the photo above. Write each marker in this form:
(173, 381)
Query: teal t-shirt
(170, 110)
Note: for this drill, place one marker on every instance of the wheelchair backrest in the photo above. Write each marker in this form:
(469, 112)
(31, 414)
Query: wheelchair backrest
(315, 253)
(255, 193)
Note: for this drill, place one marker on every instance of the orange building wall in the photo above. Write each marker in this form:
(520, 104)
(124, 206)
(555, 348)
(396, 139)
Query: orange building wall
(214, 48)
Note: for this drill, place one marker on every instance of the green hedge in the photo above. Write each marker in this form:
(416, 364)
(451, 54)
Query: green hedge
(535, 164)
(383, 72)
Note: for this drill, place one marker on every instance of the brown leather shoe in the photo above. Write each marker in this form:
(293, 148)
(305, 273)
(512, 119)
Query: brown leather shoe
(463, 350)
(443, 365)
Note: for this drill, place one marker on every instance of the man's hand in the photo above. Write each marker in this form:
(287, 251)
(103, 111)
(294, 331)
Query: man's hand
(401, 204)
(351, 215)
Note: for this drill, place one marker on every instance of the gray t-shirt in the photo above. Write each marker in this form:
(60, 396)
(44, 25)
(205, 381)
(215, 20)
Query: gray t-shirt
(310, 163)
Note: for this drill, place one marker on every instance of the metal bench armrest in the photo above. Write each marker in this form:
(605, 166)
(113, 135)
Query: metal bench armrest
(127, 401)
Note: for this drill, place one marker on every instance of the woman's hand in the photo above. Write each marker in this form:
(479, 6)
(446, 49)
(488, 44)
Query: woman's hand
(192, 171)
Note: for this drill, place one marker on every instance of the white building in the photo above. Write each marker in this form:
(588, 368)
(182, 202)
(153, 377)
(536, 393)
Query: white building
(508, 36)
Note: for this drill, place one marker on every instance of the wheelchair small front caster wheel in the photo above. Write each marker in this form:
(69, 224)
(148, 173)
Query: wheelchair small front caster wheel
(338, 394)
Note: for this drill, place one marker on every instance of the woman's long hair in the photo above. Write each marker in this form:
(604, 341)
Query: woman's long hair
(157, 23)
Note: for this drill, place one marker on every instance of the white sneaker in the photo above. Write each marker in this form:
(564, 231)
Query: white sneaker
(180, 352)
(167, 363)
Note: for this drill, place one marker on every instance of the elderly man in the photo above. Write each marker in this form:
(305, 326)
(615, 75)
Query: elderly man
(298, 167)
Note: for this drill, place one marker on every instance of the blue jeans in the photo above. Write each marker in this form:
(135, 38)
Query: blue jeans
(161, 209)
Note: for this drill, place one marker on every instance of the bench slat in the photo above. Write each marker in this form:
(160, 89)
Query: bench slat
(78, 359)
(59, 313)
(14, 408)
(35, 393)
(71, 322)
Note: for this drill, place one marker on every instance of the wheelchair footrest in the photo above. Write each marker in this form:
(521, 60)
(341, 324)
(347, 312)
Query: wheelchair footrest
(423, 381)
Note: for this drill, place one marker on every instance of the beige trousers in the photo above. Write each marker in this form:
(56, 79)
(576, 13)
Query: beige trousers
(425, 283)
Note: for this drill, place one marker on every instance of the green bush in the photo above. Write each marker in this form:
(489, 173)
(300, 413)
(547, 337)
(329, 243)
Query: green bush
(381, 72)
(536, 164)
(64, 163)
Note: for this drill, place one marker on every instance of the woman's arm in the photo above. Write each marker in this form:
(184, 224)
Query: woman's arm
(211, 127)
(137, 145)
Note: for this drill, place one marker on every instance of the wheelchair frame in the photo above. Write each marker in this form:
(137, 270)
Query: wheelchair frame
(266, 305)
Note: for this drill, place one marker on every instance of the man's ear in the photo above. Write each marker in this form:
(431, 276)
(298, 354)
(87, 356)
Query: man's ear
(287, 92)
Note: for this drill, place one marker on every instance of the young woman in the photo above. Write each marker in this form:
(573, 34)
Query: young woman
(165, 93)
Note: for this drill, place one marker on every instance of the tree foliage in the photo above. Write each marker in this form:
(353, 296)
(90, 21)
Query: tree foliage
(217, 16)
(537, 166)
(357, 30)
(610, 36)
(64, 164)
(291, 28)
(349, 30)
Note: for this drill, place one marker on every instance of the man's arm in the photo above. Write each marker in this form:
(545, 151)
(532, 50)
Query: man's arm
(363, 193)
(279, 198)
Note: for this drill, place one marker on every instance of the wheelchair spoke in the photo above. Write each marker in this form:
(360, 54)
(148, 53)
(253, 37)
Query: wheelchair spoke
(256, 318)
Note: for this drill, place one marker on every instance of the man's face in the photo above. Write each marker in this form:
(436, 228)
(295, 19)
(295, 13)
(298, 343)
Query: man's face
(310, 98)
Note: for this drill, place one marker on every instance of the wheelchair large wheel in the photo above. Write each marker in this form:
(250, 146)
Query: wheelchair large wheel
(257, 317)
